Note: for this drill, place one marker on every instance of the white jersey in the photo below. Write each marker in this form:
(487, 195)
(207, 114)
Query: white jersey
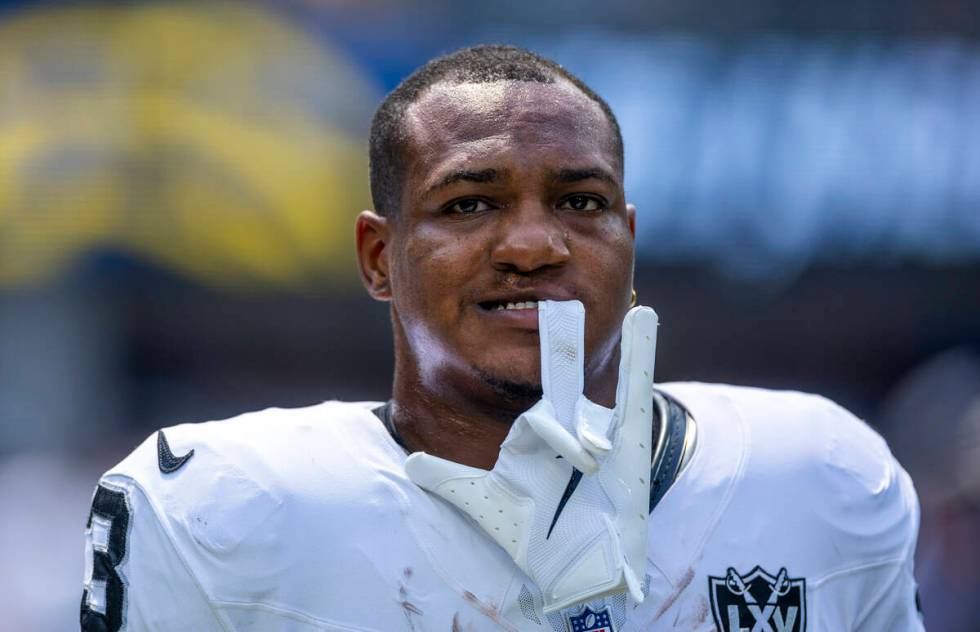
(790, 515)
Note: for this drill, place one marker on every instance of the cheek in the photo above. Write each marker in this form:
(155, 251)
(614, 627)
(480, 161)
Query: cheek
(433, 267)
(609, 253)
(608, 263)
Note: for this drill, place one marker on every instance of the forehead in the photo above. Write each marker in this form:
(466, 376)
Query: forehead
(452, 125)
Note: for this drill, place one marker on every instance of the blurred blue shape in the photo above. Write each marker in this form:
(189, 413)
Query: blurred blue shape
(775, 152)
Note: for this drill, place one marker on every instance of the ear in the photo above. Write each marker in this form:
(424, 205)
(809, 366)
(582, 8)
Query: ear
(372, 255)
(631, 218)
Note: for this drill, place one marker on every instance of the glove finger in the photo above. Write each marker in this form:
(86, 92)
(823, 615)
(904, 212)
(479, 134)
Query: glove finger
(521, 439)
(634, 393)
(629, 576)
(560, 440)
(592, 426)
(431, 472)
(561, 326)
(633, 584)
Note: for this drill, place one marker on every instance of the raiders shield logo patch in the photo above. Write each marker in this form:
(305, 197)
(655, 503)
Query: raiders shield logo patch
(590, 621)
(758, 602)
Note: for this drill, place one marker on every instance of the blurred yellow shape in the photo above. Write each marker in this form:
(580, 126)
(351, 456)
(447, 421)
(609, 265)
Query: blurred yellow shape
(215, 139)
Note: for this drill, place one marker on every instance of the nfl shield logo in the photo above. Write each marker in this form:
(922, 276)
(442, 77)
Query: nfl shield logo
(591, 621)
(758, 601)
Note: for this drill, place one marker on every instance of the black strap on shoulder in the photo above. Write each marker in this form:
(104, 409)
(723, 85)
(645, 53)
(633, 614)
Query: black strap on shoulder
(665, 469)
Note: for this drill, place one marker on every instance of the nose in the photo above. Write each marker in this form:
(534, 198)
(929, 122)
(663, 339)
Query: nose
(529, 237)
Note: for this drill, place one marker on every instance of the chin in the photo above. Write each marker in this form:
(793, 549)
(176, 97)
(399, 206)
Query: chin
(514, 388)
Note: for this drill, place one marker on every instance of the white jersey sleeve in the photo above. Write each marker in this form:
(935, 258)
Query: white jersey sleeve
(866, 509)
(873, 599)
(878, 499)
(896, 606)
(166, 528)
(880, 595)
(135, 578)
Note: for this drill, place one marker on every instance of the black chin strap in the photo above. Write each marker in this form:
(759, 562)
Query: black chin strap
(666, 463)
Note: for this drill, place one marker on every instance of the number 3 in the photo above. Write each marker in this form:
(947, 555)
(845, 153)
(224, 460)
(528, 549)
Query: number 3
(108, 525)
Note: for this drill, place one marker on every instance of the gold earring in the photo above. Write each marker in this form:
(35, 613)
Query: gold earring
(633, 298)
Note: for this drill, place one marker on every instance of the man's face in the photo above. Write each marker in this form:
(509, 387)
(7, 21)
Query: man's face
(512, 194)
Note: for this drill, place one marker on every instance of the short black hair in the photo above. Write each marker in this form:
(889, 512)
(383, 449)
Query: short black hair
(478, 64)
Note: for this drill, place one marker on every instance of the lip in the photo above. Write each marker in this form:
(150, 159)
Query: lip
(541, 293)
(520, 318)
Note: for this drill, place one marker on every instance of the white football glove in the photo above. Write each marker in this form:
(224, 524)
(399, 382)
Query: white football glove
(578, 533)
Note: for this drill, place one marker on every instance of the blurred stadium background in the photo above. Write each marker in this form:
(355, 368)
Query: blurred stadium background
(178, 183)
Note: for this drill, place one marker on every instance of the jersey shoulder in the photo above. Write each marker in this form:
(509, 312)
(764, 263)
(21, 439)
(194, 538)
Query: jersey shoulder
(236, 472)
(264, 446)
(813, 468)
(237, 493)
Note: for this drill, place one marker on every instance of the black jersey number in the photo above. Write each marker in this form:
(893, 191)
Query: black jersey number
(102, 600)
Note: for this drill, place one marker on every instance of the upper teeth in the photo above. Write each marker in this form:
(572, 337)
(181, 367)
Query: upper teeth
(523, 305)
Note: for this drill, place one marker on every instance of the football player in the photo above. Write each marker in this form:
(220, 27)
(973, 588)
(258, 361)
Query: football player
(525, 474)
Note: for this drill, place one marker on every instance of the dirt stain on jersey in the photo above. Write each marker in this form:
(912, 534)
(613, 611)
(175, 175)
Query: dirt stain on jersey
(457, 627)
(488, 610)
(408, 607)
(693, 615)
(702, 611)
(684, 582)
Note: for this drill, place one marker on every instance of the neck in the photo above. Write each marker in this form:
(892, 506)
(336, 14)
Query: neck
(463, 418)
(448, 432)
(448, 422)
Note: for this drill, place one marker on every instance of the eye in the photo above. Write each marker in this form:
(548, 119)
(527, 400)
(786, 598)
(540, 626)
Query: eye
(467, 206)
(582, 203)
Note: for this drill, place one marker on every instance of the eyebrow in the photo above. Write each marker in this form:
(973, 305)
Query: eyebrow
(492, 175)
(465, 175)
(577, 175)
